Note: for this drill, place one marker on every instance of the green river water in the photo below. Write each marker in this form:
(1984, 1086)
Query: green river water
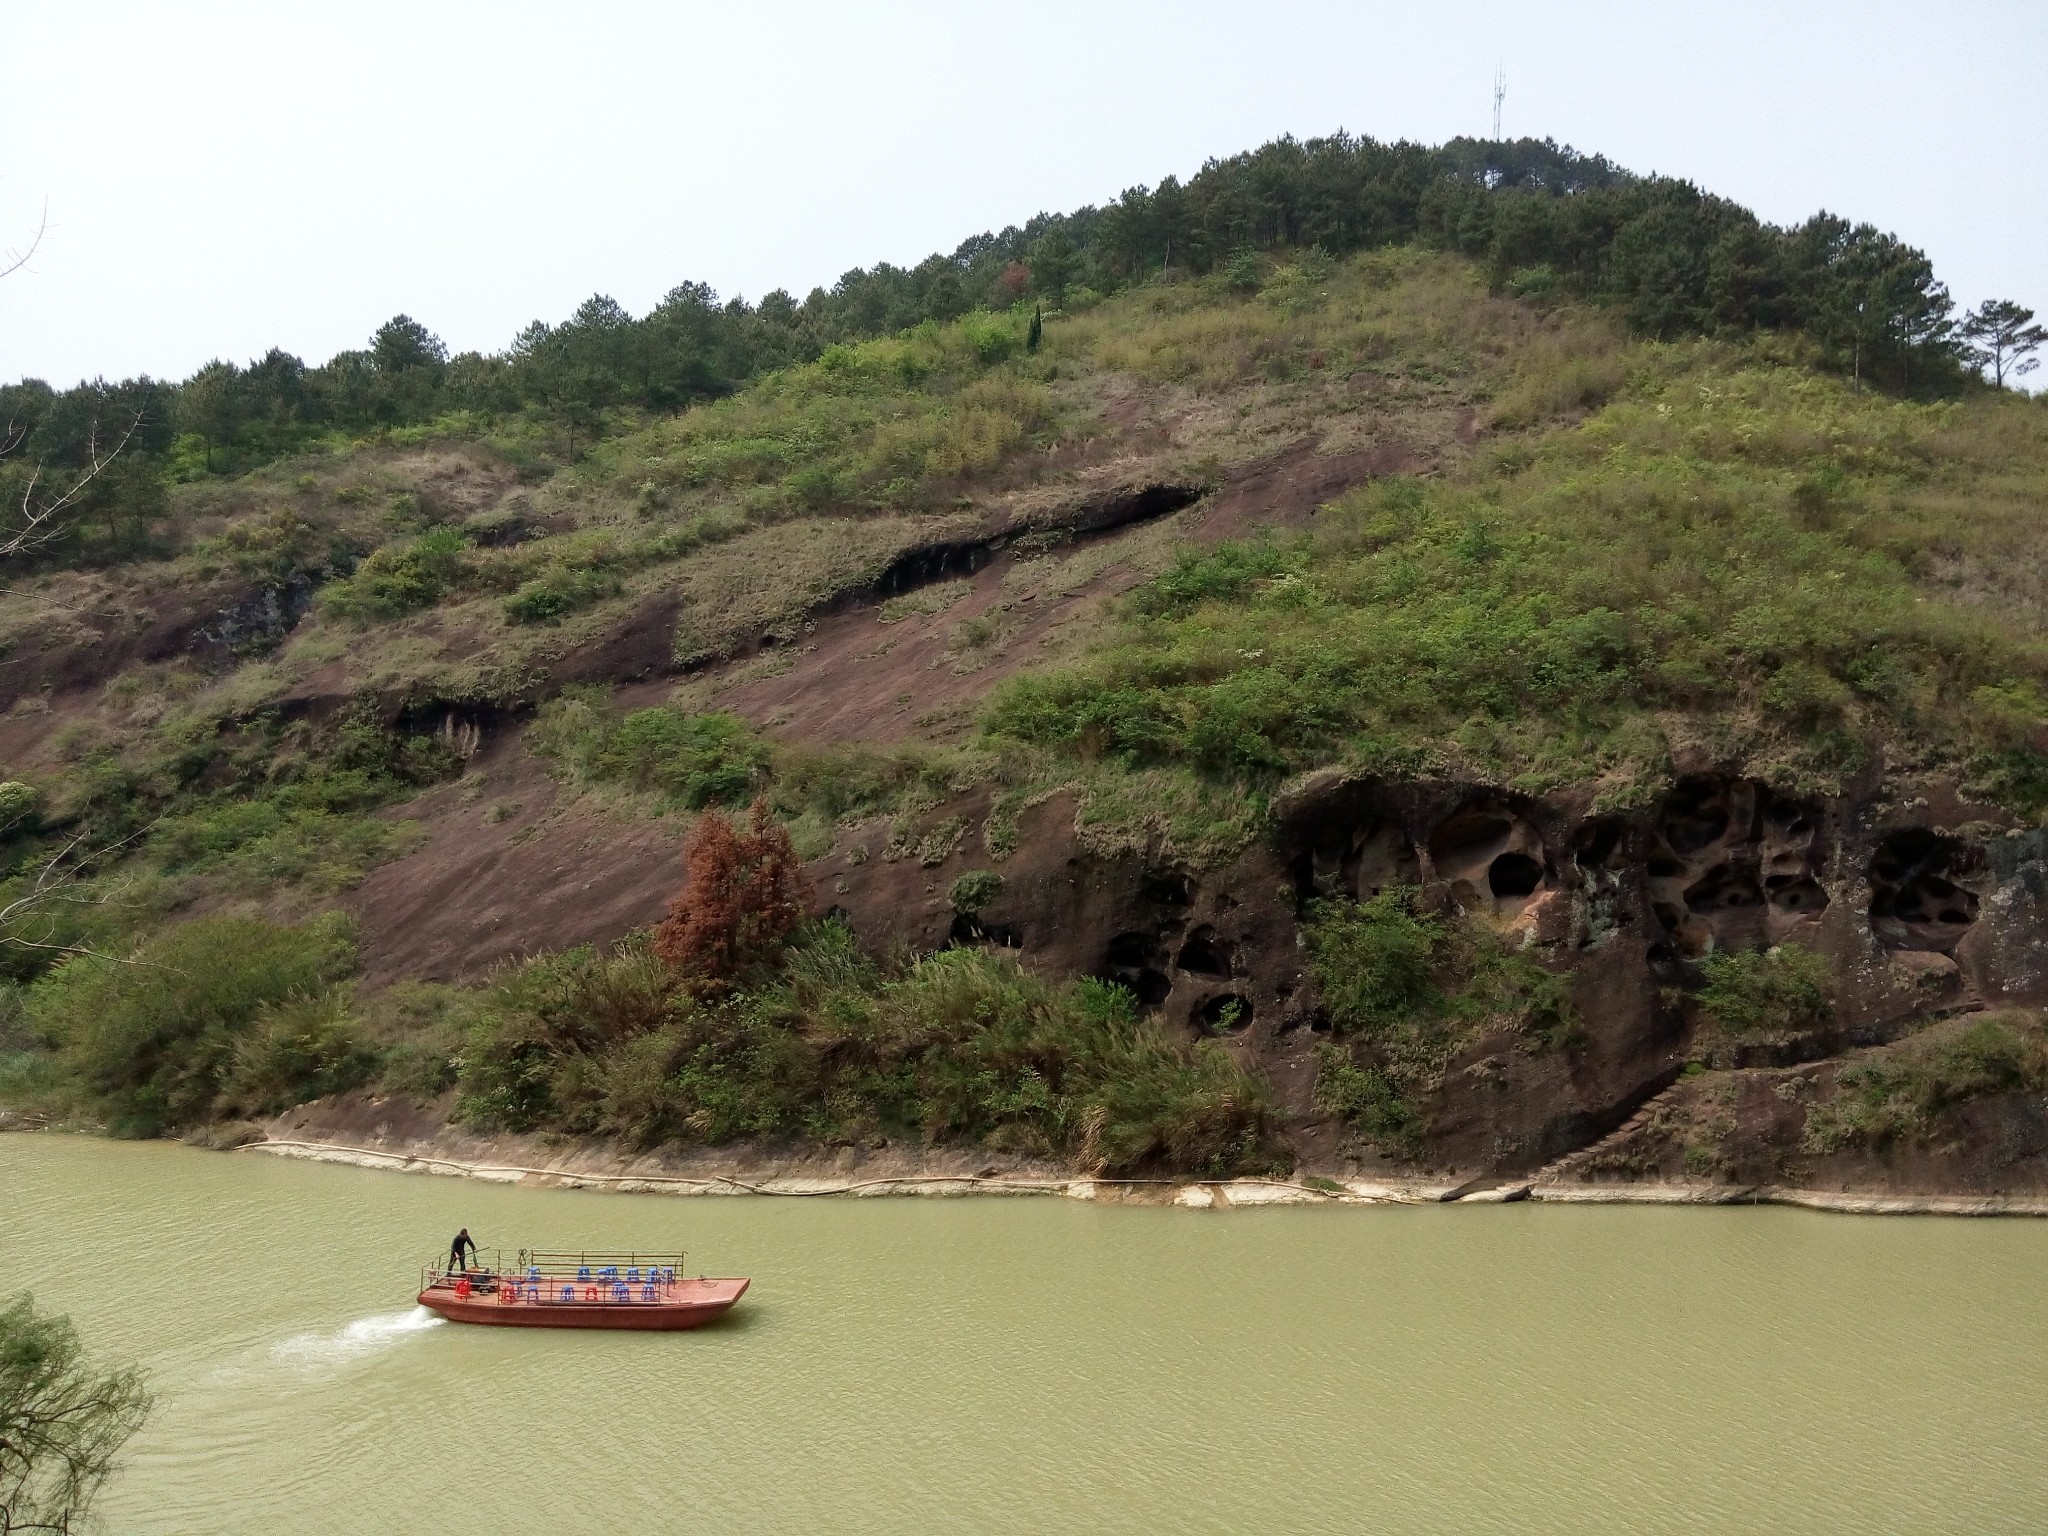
(1044, 1365)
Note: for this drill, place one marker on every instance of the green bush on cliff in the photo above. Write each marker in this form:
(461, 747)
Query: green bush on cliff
(399, 578)
(1375, 960)
(1900, 1093)
(1365, 1099)
(696, 760)
(1395, 973)
(975, 890)
(1409, 988)
(691, 761)
(1780, 990)
(218, 1015)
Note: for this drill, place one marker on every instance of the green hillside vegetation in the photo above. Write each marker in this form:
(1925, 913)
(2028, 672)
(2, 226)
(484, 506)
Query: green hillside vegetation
(1735, 486)
(1731, 549)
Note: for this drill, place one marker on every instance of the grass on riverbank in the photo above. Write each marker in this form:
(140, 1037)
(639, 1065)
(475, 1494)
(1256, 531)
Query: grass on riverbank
(834, 1046)
(1910, 1092)
(229, 1017)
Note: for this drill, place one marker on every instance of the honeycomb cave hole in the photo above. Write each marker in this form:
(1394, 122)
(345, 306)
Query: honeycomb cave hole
(1597, 842)
(1598, 849)
(1795, 893)
(1514, 874)
(1696, 815)
(1489, 858)
(969, 929)
(1917, 896)
(1466, 833)
(1724, 888)
(1133, 961)
(1166, 888)
(1225, 1013)
(1204, 954)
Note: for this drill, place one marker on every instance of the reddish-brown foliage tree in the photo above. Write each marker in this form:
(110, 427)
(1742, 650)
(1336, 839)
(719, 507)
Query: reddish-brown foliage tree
(1012, 283)
(743, 891)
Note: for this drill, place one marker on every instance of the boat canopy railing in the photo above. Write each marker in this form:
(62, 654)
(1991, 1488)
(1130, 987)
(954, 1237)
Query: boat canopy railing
(561, 1275)
(551, 1260)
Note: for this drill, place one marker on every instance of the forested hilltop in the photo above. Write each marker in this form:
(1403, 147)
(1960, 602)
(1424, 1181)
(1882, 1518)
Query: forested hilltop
(1541, 220)
(1376, 658)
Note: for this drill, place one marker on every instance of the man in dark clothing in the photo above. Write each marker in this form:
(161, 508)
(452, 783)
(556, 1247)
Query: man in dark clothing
(455, 1250)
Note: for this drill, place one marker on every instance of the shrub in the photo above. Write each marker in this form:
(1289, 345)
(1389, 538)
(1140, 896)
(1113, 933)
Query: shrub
(742, 895)
(1222, 574)
(1901, 1093)
(694, 760)
(557, 593)
(1414, 988)
(160, 1039)
(975, 890)
(18, 803)
(1365, 1099)
(958, 1046)
(1375, 960)
(691, 761)
(305, 1047)
(992, 337)
(969, 1045)
(1779, 990)
(419, 1029)
(399, 578)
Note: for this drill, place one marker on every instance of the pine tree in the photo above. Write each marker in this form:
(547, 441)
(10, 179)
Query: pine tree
(1998, 334)
(1053, 262)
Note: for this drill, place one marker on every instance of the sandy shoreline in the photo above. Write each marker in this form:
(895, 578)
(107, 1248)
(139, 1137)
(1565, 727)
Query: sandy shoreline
(577, 1172)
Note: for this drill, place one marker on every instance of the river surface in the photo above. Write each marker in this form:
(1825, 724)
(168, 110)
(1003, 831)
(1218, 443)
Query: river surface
(1044, 1365)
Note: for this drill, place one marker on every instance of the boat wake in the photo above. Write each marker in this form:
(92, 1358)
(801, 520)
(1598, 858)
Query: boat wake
(364, 1336)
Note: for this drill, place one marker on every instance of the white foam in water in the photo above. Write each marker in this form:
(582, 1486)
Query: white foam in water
(363, 1336)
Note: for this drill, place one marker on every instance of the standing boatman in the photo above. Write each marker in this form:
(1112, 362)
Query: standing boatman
(462, 1241)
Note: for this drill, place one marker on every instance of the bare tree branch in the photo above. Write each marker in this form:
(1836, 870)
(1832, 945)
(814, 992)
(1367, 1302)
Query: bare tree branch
(14, 261)
(29, 921)
(35, 520)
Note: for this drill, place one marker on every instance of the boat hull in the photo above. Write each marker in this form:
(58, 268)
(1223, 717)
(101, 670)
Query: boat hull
(687, 1304)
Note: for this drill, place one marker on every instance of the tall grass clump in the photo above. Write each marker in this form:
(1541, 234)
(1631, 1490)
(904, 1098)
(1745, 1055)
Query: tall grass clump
(1780, 990)
(689, 761)
(1905, 1093)
(899, 423)
(963, 1047)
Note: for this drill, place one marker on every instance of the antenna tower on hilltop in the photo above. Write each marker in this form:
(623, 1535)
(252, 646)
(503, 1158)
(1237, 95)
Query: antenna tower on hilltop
(1500, 94)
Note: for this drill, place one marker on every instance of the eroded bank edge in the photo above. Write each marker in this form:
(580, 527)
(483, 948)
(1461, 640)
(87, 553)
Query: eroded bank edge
(1190, 1194)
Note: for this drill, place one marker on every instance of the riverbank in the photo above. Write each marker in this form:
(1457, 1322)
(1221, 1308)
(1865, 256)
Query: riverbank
(394, 1135)
(899, 1171)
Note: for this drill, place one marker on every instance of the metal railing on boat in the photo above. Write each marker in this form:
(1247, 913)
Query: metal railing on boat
(566, 1278)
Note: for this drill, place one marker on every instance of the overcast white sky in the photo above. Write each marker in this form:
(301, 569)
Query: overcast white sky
(221, 178)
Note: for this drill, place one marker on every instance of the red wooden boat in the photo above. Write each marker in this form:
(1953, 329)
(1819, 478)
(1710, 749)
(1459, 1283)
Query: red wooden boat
(581, 1290)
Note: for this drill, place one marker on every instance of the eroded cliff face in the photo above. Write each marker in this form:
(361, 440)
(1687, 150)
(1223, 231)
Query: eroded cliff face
(1925, 906)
